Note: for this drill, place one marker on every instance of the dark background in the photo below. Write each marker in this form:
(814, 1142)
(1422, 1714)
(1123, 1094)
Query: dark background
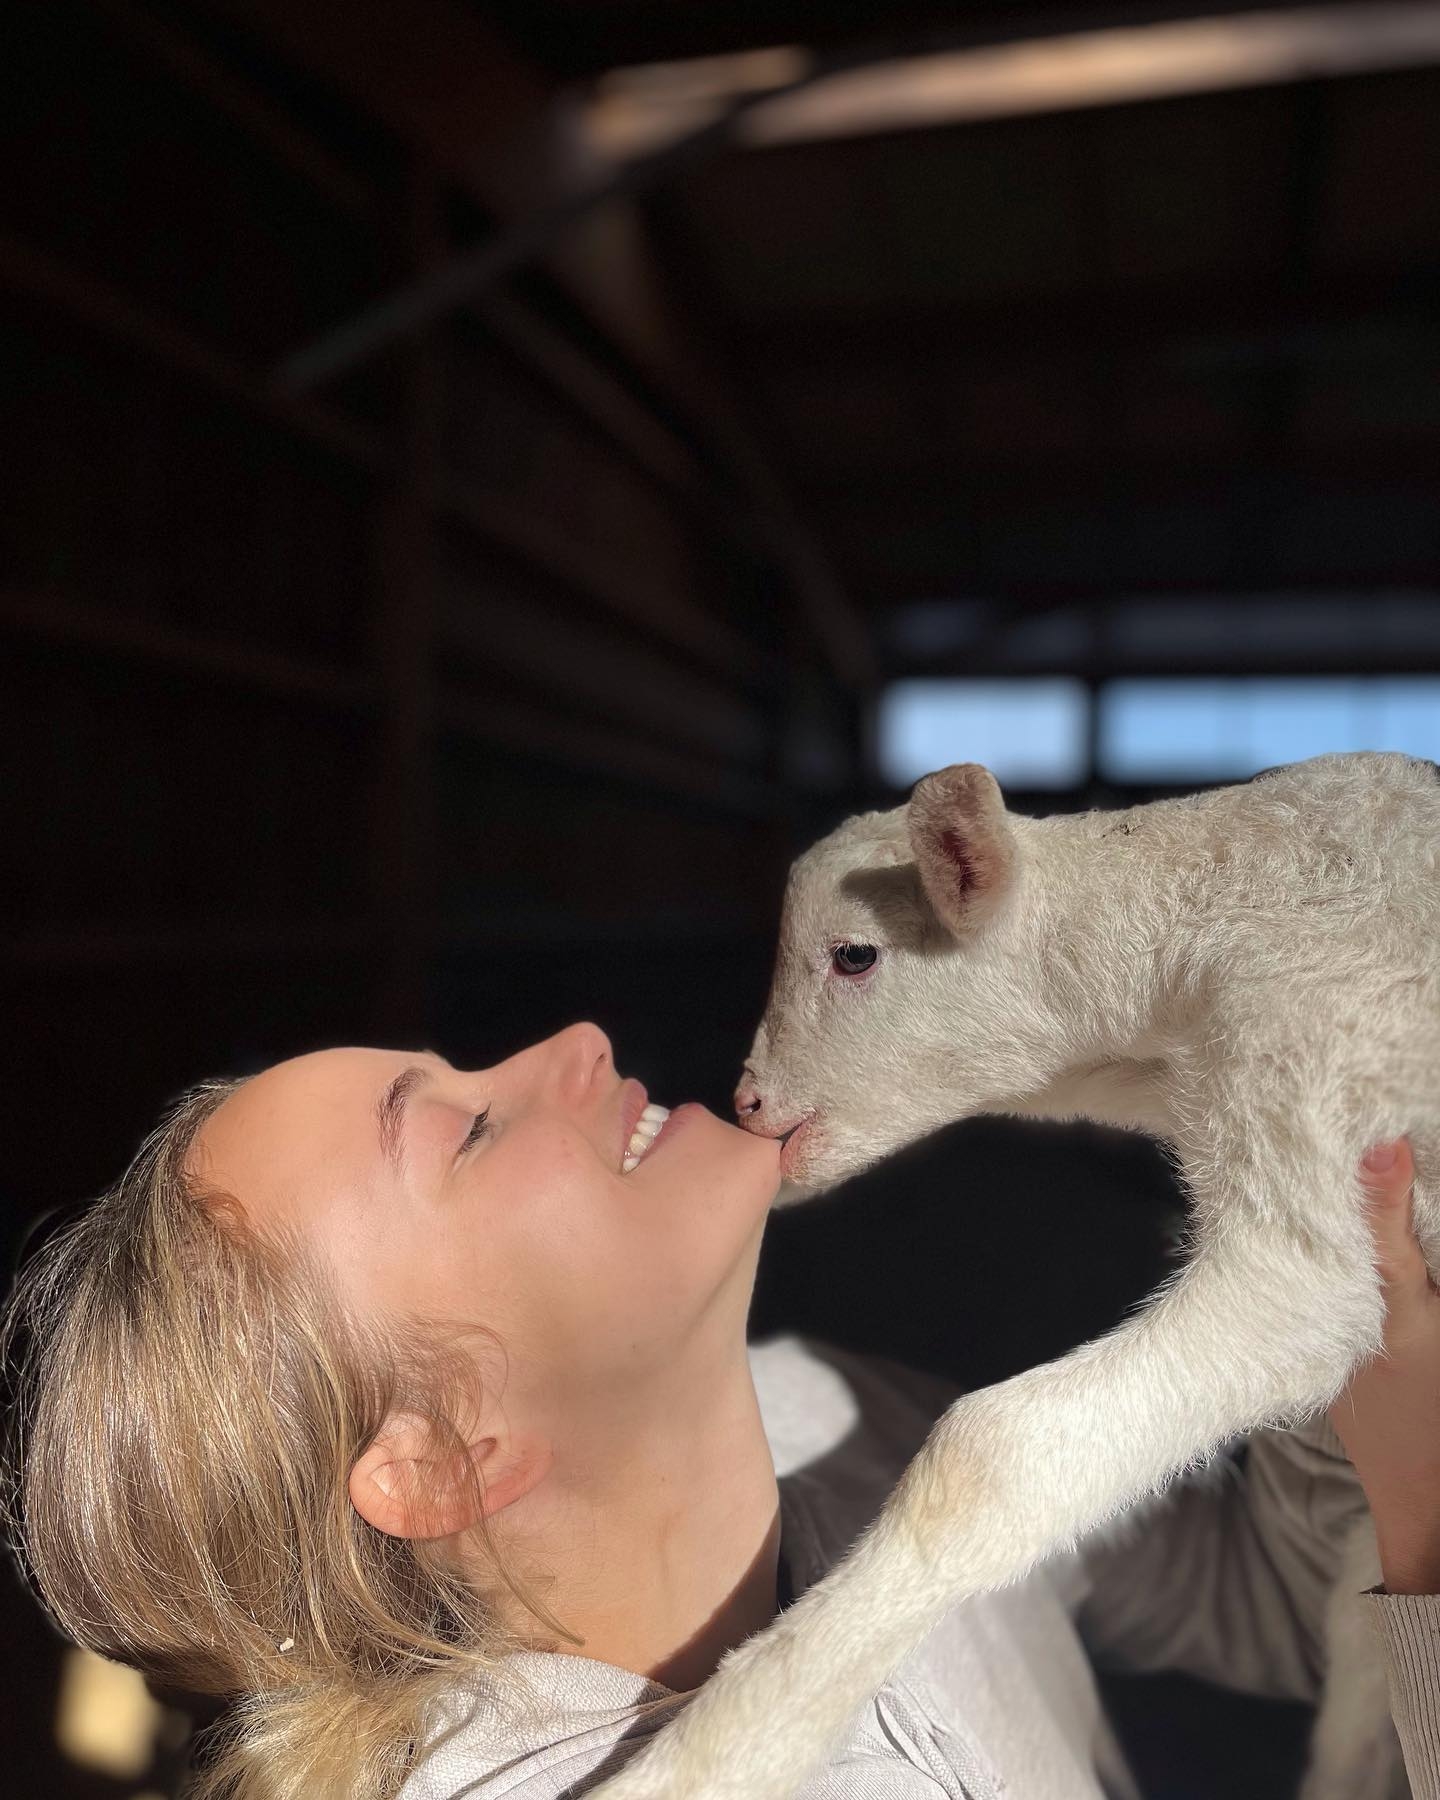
(493, 681)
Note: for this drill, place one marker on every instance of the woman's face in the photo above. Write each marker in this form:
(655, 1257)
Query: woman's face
(597, 1282)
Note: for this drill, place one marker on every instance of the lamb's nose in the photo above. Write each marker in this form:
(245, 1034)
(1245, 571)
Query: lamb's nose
(747, 1097)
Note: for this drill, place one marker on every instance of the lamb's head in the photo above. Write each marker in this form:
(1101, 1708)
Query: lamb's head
(900, 998)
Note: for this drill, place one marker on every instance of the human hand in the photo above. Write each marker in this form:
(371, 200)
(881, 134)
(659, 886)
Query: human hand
(1389, 1417)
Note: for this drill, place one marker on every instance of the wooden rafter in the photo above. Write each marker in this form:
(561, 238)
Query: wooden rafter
(624, 594)
(437, 77)
(57, 618)
(588, 388)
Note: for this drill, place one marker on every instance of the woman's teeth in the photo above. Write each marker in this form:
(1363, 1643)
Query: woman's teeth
(644, 1135)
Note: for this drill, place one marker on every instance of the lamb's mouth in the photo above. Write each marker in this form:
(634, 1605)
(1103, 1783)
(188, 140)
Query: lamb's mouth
(792, 1144)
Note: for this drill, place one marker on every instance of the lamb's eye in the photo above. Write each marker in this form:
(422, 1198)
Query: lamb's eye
(853, 959)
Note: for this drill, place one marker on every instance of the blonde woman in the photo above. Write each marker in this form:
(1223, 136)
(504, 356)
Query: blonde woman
(412, 1407)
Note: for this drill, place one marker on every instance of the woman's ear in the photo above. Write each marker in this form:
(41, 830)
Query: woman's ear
(964, 845)
(415, 1481)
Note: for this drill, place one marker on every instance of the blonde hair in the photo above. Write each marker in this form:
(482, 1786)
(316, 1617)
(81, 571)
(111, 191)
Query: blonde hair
(191, 1400)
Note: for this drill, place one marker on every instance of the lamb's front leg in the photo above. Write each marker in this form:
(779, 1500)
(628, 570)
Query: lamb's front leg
(1007, 1476)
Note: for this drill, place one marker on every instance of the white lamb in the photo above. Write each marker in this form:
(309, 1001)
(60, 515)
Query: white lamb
(1251, 974)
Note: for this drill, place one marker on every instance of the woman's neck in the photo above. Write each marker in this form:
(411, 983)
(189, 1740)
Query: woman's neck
(661, 1532)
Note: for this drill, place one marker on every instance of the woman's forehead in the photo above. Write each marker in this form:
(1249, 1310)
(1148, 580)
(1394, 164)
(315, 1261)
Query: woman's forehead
(308, 1113)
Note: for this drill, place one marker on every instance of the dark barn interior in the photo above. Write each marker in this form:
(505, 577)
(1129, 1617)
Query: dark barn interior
(481, 671)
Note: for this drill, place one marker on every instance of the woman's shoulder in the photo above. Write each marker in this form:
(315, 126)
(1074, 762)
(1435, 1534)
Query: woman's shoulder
(547, 1727)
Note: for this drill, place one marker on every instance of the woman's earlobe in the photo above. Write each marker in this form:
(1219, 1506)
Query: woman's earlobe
(507, 1474)
(413, 1482)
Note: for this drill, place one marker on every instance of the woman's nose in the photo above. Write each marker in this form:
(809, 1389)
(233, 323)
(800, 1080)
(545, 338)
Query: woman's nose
(584, 1052)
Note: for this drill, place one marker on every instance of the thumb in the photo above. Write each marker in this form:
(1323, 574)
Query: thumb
(1388, 1174)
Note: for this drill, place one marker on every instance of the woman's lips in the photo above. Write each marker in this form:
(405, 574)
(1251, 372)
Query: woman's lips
(633, 1101)
(678, 1117)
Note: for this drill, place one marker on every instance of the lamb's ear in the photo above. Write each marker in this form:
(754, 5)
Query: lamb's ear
(964, 845)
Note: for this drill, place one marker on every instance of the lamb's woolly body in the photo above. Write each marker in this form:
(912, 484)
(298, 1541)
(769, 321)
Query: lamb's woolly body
(1252, 974)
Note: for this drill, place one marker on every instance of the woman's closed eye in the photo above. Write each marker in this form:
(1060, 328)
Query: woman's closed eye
(475, 1133)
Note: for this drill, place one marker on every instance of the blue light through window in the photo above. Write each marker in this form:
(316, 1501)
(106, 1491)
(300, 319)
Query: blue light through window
(1163, 730)
(1030, 734)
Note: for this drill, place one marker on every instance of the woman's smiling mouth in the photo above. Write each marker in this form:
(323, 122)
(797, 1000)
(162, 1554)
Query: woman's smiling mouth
(646, 1131)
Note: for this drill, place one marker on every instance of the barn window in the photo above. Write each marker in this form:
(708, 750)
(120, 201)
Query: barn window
(1195, 730)
(1031, 734)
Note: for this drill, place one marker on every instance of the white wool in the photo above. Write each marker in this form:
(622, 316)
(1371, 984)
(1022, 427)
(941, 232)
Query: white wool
(1251, 974)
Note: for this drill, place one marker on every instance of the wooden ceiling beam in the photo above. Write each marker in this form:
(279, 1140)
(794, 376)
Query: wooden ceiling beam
(78, 295)
(625, 594)
(885, 499)
(57, 618)
(597, 749)
(54, 616)
(1421, 577)
(195, 69)
(441, 80)
(433, 73)
(1263, 314)
(614, 680)
(591, 39)
(582, 382)
(1103, 665)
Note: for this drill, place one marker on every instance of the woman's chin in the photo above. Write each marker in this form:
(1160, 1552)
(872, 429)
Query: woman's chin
(737, 1135)
(754, 1160)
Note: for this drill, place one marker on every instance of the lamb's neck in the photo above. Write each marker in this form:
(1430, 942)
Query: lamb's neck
(1131, 1092)
(1098, 927)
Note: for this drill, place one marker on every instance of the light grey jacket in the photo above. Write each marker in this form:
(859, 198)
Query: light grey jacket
(1225, 1578)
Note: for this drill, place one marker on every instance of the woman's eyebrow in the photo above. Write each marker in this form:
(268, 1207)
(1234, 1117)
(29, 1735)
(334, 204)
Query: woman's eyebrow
(390, 1110)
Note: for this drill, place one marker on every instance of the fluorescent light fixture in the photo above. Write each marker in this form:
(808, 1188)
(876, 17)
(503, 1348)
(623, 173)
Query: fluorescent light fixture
(106, 1718)
(1029, 733)
(1182, 730)
(632, 111)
